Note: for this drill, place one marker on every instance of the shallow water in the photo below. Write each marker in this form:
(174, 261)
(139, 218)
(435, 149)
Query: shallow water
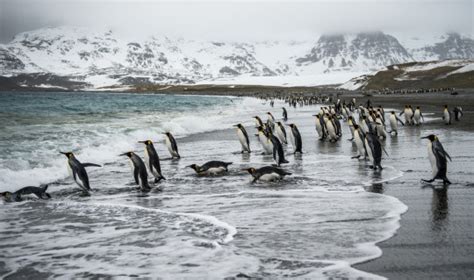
(314, 224)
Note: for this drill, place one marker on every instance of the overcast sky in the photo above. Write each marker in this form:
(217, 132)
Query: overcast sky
(239, 20)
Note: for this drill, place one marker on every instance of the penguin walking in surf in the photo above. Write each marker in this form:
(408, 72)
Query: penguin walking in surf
(152, 161)
(211, 168)
(264, 140)
(446, 115)
(418, 116)
(320, 126)
(138, 170)
(296, 141)
(258, 121)
(408, 112)
(78, 171)
(374, 150)
(359, 139)
(280, 132)
(285, 114)
(457, 113)
(243, 138)
(394, 120)
(172, 145)
(438, 159)
(278, 153)
(267, 173)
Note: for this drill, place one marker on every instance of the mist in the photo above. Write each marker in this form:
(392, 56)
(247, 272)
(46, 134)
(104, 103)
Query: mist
(238, 20)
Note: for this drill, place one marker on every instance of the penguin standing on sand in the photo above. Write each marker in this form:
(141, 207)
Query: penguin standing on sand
(243, 138)
(438, 159)
(139, 171)
(267, 173)
(171, 145)
(446, 115)
(278, 153)
(210, 168)
(78, 171)
(418, 116)
(296, 141)
(285, 114)
(394, 120)
(152, 161)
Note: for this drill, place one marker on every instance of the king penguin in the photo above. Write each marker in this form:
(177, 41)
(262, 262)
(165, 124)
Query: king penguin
(243, 138)
(281, 132)
(374, 150)
(139, 171)
(211, 168)
(172, 146)
(394, 122)
(418, 116)
(296, 141)
(278, 153)
(285, 114)
(446, 115)
(438, 159)
(267, 173)
(152, 161)
(78, 171)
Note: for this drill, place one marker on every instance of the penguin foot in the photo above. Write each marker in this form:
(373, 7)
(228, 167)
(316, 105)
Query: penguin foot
(446, 182)
(355, 157)
(350, 139)
(427, 181)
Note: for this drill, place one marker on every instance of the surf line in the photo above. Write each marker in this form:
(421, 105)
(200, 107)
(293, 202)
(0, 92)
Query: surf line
(231, 230)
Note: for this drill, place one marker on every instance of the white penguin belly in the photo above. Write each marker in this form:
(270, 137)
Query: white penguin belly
(369, 152)
(431, 156)
(270, 177)
(170, 148)
(393, 123)
(243, 140)
(214, 170)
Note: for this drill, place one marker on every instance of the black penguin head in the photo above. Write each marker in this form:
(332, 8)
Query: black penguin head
(356, 126)
(6, 195)
(146, 142)
(193, 166)
(68, 154)
(446, 106)
(238, 125)
(128, 154)
(250, 170)
(393, 112)
(430, 137)
(291, 125)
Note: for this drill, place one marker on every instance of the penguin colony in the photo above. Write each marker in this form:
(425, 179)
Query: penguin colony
(367, 126)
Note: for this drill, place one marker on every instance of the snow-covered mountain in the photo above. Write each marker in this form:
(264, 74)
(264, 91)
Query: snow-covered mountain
(103, 59)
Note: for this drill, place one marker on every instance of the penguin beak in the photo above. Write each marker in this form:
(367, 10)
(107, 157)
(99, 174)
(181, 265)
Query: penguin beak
(63, 153)
(235, 125)
(143, 142)
(124, 154)
(426, 137)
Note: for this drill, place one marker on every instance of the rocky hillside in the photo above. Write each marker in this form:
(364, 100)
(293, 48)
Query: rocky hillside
(76, 58)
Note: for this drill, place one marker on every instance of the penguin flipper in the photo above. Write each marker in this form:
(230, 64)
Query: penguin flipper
(88, 164)
(135, 175)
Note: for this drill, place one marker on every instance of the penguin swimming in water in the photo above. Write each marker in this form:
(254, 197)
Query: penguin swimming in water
(267, 173)
(211, 168)
(280, 132)
(172, 145)
(296, 141)
(139, 171)
(243, 138)
(418, 116)
(438, 159)
(393, 122)
(152, 161)
(446, 115)
(285, 114)
(16, 196)
(278, 153)
(78, 171)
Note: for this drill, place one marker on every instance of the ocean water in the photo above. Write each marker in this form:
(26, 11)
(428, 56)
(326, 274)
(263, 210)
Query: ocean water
(314, 224)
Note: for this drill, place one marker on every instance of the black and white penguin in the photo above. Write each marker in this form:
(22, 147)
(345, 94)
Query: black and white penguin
(331, 129)
(152, 161)
(264, 140)
(267, 173)
(210, 168)
(138, 170)
(278, 153)
(285, 114)
(359, 139)
(271, 121)
(320, 126)
(295, 139)
(258, 121)
(374, 150)
(78, 171)
(438, 159)
(394, 120)
(446, 115)
(418, 116)
(280, 132)
(351, 122)
(171, 145)
(16, 196)
(243, 138)
(408, 112)
(457, 113)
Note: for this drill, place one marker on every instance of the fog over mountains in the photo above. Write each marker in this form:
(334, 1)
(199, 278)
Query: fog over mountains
(77, 58)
